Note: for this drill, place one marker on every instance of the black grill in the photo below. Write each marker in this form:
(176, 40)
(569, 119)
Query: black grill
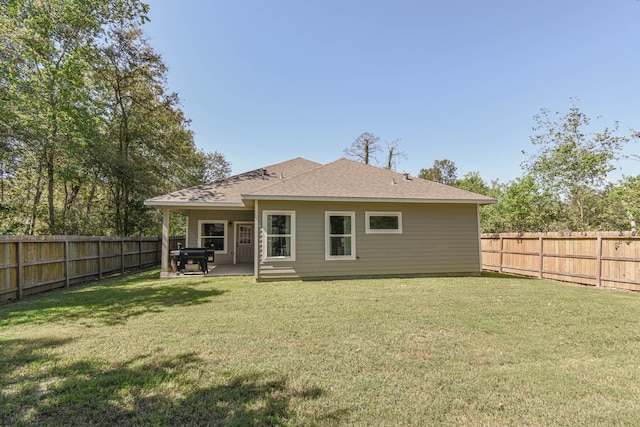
(191, 260)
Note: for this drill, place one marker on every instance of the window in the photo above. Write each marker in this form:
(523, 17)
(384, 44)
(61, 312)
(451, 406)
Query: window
(340, 235)
(383, 222)
(213, 234)
(280, 230)
(245, 234)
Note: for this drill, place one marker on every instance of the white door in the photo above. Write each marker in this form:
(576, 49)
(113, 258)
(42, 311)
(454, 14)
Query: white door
(244, 242)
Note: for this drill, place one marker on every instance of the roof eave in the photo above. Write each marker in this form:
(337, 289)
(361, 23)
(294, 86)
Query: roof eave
(199, 205)
(368, 199)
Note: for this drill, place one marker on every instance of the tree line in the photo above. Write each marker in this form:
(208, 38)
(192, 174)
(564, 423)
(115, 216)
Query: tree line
(565, 185)
(89, 130)
(88, 127)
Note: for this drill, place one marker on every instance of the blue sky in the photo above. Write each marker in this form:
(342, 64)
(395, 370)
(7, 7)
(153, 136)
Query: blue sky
(265, 81)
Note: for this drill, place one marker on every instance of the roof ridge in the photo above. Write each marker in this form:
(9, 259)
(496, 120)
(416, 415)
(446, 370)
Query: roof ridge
(230, 177)
(275, 184)
(322, 166)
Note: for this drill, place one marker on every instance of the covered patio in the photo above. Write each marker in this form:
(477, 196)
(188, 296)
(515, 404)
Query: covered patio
(218, 216)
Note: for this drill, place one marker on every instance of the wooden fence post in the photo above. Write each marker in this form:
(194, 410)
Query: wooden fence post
(541, 260)
(99, 258)
(19, 270)
(599, 262)
(6, 252)
(501, 256)
(122, 256)
(66, 263)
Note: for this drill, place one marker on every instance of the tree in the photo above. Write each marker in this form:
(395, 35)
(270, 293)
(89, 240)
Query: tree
(214, 167)
(442, 171)
(393, 154)
(46, 45)
(472, 181)
(148, 147)
(525, 207)
(571, 163)
(364, 148)
(622, 202)
(491, 221)
(88, 128)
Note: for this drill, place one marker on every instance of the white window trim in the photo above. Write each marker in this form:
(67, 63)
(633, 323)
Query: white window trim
(368, 230)
(327, 236)
(265, 236)
(226, 232)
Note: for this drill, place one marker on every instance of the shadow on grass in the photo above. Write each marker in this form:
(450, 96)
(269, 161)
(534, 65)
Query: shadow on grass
(16, 353)
(110, 302)
(37, 389)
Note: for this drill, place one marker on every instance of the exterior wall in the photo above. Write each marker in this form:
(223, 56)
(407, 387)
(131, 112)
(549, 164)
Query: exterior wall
(436, 239)
(212, 215)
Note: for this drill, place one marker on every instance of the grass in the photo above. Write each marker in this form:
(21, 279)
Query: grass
(222, 351)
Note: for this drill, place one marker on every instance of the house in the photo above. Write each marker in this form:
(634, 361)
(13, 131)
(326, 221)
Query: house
(303, 220)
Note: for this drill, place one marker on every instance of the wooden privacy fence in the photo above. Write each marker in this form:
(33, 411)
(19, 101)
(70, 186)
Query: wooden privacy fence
(598, 259)
(30, 265)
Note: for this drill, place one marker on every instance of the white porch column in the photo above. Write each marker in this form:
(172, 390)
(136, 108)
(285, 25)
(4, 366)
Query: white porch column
(165, 243)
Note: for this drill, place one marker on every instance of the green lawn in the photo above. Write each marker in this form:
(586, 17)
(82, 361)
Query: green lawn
(222, 351)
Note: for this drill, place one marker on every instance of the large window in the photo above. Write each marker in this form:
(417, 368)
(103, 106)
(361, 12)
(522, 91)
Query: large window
(213, 234)
(383, 222)
(340, 235)
(280, 231)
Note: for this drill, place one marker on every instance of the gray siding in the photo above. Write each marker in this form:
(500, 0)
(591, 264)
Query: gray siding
(437, 239)
(211, 215)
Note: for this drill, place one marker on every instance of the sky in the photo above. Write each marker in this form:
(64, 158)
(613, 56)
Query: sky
(264, 81)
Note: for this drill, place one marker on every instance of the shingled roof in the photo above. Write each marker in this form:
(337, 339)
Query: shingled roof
(348, 180)
(300, 179)
(228, 191)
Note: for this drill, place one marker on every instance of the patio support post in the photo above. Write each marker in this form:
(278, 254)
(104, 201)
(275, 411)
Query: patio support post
(479, 238)
(256, 241)
(164, 263)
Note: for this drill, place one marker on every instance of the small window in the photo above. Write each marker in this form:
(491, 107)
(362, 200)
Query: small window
(340, 235)
(245, 234)
(383, 222)
(213, 234)
(279, 229)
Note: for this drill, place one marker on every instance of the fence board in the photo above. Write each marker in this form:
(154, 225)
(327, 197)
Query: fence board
(596, 259)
